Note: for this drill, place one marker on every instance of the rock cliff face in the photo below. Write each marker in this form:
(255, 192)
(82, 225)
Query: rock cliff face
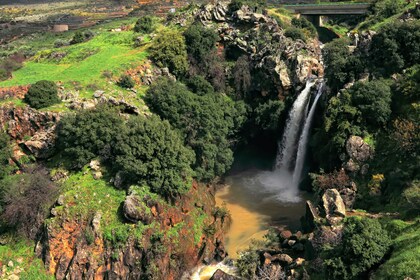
(284, 64)
(70, 253)
(33, 130)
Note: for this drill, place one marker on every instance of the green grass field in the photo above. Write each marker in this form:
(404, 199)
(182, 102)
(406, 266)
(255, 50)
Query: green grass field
(113, 51)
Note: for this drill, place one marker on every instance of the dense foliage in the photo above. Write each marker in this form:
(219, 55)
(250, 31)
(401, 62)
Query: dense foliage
(149, 152)
(42, 94)
(144, 24)
(146, 151)
(209, 123)
(169, 50)
(88, 134)
(364, 243)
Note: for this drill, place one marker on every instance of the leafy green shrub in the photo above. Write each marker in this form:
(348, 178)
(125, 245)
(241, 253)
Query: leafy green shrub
(396, 47)
(341, 65)
(144, 24)
(303, 23)
(248, 263)
(60, 43)
(199, 85)
(295, 34)
(126, 81)
(267, 114)
(42, 94)
(88, 134)
(200, 41)
(169, 50)
(80, 37)
(149, 152)
(364, 244)
(373, 99)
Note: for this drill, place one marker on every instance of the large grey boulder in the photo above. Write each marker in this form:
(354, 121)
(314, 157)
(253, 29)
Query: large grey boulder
(334, 207)
(136, 210)
(358, 150)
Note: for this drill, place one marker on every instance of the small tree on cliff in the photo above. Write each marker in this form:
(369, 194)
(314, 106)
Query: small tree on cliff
(42, 94)
(144, 24)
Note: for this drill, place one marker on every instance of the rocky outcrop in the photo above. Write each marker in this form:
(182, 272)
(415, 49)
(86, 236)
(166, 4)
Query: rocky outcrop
(285, 63)
(33, 130)
(333, 206)
(24, 122)
(359, 152)
(136, 210)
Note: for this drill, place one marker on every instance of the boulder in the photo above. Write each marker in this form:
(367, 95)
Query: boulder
(334, 207)
(221, 275)
(311, 215)
(358, 150)
(41, 145)
(136, 210)
(285, 234)
(95, 165)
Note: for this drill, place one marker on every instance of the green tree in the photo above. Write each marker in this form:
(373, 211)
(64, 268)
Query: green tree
(149, 152)
(42, 94)
(295, 33)
(144, 24)
(267, 114)
(169, 50)
(199, 85)
(209, 123)
(242, 77)
(200, 41)
(373, 99)
(303, 23)
(88, 134)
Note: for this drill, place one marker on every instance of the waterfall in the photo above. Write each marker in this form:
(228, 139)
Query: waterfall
(303, 141)
(287, 147)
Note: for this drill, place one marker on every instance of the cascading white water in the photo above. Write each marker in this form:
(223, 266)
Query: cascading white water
(287, 147)
(280, 180)
(303, 141)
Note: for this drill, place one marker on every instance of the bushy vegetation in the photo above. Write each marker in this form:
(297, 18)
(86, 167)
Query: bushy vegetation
(144, 24)
(126, 81)
(169, 50)
(145, 150)
(149, 152)
(295, 34)
(80, 37)
(305, 24)
(24, 202)
(364, 244)
(89, 134)
(209, 123)
(42, 94)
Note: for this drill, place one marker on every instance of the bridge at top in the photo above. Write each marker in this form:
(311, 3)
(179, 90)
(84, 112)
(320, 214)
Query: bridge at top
(329, 9)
